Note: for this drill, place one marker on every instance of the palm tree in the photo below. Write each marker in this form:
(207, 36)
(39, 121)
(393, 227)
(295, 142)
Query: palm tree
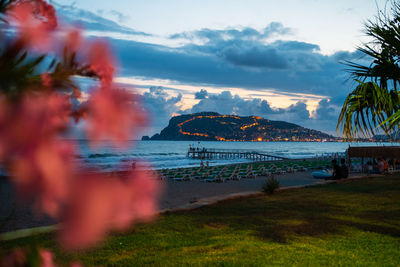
(374, 103)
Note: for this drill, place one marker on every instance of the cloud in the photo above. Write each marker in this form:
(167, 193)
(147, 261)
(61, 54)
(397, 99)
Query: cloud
(254, 57)
(94, 22)
(327, 110)
(241, 57)
(290, 55)
(226, 103)
(324, 118)
(285, 66)
(201, 95)
(160, 105)
(210, 35)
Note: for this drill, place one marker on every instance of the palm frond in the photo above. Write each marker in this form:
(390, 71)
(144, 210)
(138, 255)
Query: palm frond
(374, 103)
(366, 109)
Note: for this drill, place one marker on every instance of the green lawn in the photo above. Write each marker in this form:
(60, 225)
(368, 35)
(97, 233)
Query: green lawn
(352, 223)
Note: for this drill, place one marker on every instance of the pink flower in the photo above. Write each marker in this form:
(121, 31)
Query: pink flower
(35, 20)
(44, 175)
(73, 40)
(100, 204)
(46, 257)
(47, 81)
(101, 61)
(40, 166)
(31, 121)
(112, 114)
(16, 258)
(47, 13)
(39, 9)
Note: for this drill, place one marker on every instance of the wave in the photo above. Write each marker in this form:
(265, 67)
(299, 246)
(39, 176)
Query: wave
(156, 154)
(108, 155)
(301, 153)
(104, 155)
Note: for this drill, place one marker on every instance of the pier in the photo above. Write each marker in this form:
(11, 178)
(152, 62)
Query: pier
(212, 153)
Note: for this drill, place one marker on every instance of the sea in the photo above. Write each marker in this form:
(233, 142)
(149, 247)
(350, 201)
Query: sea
(106, 156)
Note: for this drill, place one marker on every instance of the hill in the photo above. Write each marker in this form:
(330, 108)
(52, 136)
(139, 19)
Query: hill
(211, 126)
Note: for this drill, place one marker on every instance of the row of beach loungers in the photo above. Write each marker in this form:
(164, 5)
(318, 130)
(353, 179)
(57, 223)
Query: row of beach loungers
(235, 172)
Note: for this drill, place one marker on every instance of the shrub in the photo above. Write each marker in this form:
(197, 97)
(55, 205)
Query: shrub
(271, 185)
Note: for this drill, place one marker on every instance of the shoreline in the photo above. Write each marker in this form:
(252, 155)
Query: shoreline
(175, 194)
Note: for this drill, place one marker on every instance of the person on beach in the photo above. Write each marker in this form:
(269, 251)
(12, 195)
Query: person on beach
(337, 172)
(344, 169)
(201, 164)
(381, 165)
(370, 168)
(385, 166)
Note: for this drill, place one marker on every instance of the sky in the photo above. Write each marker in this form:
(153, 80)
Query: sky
(276, 59)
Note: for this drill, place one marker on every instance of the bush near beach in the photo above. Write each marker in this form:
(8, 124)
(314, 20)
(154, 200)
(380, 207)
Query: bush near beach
(350, 223)
(271, 185)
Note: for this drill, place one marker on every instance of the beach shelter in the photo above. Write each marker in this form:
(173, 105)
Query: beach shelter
(374, 152)
(391, 152)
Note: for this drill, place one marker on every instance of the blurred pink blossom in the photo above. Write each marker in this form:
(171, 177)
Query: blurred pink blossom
(113, 114)
(46, 257)
(100, 204)
(16, 258)
(44, 175)
(101, 61)
(40, 166)
(47, 81)
(39, 9)
(35, 20)
(33, 120)
(73, 39)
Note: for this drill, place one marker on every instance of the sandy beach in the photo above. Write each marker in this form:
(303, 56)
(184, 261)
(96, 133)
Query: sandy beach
(175, 194)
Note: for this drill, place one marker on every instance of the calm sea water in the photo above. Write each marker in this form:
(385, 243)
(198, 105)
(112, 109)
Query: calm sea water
(172, 154)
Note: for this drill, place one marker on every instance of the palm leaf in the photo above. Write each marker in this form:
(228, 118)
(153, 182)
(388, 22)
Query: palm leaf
(374, 103)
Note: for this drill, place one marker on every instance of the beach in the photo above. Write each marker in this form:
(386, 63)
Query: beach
(179, 194)
(175, 194)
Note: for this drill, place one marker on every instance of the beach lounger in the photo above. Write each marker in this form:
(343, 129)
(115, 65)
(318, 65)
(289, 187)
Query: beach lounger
(235, 177)
(187, 177)
(324, 174)
(250, 175)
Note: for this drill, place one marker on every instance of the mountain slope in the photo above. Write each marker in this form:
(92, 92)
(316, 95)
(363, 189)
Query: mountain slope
(213, 126)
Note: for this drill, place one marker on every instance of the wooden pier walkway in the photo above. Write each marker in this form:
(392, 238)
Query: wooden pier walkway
(211, 153)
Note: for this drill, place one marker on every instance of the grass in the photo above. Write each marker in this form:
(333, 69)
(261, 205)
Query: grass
(354, 223)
